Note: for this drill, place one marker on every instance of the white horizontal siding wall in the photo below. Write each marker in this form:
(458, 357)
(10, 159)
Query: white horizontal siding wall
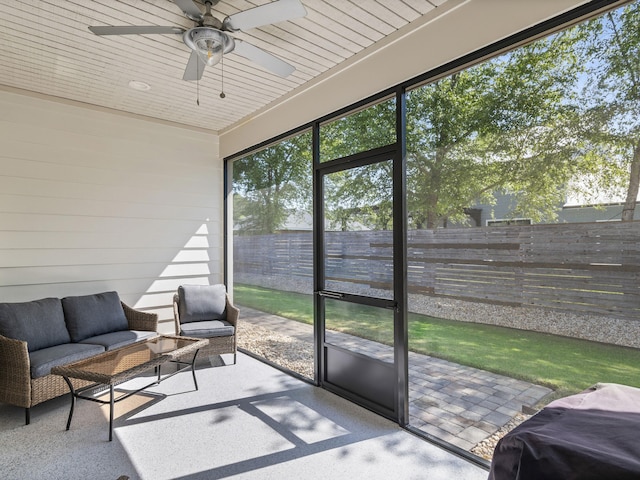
(92, 201)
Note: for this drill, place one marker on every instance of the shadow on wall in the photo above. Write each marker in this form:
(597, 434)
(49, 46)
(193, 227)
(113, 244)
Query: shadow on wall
(189, 266)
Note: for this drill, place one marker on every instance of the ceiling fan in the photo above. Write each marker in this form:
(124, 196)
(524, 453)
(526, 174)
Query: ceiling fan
(209, 40)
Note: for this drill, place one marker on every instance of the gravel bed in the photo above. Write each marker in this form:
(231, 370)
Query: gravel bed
(282, 350)
(485, 448)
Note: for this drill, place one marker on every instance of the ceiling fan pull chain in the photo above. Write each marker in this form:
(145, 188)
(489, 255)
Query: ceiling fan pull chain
(198, 75)
(222, 95)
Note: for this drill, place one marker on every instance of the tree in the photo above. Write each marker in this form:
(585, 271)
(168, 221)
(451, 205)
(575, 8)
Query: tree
(360, 197)
(499, 126)
(612, 98)
(368, 128)
(558, 116)
(272, 184)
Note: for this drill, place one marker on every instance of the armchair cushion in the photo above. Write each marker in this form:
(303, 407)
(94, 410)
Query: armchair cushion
(197, 303)
(91, 315)
(40, 323)
(207, 329)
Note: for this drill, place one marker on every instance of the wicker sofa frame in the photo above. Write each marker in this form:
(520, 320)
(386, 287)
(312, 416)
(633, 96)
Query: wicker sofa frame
(217, 345)
(19, 389)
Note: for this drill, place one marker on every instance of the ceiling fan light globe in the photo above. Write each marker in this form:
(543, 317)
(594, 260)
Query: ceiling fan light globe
(210, 55)
(209, 43)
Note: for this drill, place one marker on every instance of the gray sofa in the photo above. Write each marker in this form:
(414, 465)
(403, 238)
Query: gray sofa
(38, 335)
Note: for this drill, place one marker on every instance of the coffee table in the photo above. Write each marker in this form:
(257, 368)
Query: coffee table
(108, 369)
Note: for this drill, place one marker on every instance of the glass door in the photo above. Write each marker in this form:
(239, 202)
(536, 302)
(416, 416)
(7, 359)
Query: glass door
(355, 306)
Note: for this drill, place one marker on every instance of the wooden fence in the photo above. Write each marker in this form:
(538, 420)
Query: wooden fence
(588, 267)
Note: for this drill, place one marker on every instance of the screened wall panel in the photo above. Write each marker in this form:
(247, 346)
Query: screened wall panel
(273, 253)
(522, 267)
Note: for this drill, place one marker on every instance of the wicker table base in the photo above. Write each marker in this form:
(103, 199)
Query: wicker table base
(116, 366)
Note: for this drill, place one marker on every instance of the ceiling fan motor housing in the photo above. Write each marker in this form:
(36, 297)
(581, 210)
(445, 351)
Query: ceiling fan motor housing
(209, 20)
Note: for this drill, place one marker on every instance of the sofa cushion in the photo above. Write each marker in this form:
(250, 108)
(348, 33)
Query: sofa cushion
(206, 329)
(42, 361)
(40, 323)
(201, 302)
(91, 315)
(119, 339)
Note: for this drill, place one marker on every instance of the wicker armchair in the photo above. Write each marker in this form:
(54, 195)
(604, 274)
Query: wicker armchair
(220, 326)
(19, 389)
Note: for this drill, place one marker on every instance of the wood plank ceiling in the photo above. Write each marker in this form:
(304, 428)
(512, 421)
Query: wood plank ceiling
(45, 47)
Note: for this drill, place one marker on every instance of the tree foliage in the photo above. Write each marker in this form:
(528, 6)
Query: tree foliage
(359, 197)
(611, 96)
(366, 129)
(506, 125)
(550, 119)
(273, 185)
(556, 117)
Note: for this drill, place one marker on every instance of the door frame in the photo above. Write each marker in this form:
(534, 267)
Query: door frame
(396, 152)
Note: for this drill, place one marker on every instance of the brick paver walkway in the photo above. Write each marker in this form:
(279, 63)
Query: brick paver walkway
(459, 404)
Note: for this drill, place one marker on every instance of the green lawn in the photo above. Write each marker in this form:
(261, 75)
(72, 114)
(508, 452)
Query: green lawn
(565, 364)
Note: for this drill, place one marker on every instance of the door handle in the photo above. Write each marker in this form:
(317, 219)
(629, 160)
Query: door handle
(335, 295)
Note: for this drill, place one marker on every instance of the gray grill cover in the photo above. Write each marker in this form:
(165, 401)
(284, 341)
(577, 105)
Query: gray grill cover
(592, 435)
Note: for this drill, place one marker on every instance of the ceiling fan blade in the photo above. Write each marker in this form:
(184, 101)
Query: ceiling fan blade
(190, 9)
(264, 59)
(273, 12)
(136, 30)
(194, 68)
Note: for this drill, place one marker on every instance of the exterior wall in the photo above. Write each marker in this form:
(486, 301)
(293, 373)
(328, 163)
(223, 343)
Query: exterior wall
(92, 200)
(505, 204)
(503, 208)
(589, 213)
